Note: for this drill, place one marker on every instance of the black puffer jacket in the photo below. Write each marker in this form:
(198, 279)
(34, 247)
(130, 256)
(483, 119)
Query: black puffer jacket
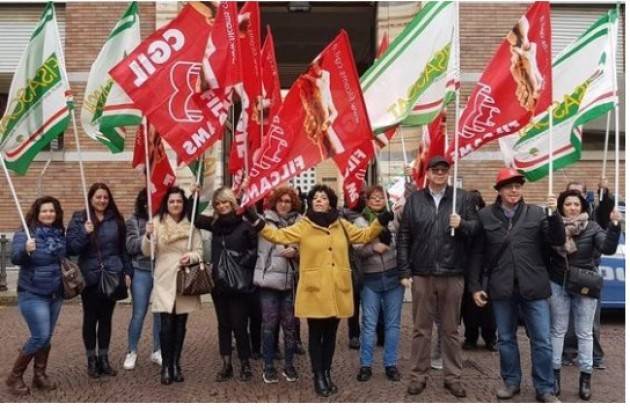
(592, 242)
(524, 260)
(238, 234)
(425, 246)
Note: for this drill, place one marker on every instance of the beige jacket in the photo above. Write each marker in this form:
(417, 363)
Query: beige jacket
(171, 242)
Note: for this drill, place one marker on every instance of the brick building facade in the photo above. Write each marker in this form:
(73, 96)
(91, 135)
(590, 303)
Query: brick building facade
(482, 28)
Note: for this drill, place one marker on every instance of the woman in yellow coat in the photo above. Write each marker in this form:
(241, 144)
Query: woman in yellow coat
(170, 230)
(324, 291)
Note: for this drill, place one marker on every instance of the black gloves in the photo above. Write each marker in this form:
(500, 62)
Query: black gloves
(251, 215)
(385, 237)
(385, 217)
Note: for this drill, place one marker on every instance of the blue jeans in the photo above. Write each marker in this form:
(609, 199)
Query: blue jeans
(141, 286)
(537, 320)
(381, 289)
(562, 304)
(40, 314)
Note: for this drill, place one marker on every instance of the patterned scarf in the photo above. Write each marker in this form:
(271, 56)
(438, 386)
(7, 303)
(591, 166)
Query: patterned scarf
(573, 227)
(52, 238)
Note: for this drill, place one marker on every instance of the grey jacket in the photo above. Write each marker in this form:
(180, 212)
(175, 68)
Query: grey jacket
(136, 228)
(272, 270)
(372, 262)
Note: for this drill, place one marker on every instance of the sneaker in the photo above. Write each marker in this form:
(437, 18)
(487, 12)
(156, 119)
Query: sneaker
(270, 376)
(290, 374)
(436, 363)
(130, 360)
(156, 357)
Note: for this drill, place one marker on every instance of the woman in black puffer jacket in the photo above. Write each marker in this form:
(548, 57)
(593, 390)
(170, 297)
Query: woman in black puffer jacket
(39, 289)
(231, 307)
(585, 239)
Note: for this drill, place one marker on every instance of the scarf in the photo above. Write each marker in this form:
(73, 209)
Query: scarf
(323, 219)
(385, 236)
(226, 223)
(171, 231)
(573, 227)
(51, 238)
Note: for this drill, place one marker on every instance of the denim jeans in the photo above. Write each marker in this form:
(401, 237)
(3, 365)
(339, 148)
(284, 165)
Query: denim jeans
(141, 286)
(562, 304)
(381, 289)
(537, 320)
(277, 308)
(40, 314)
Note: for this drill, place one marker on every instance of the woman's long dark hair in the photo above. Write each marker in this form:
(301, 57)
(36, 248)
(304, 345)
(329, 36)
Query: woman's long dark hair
(32, 217)
(111, 206)
(141, 205)
(164, 204)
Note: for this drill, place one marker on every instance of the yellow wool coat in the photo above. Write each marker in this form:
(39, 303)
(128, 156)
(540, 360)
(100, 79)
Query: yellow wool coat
(325, 285)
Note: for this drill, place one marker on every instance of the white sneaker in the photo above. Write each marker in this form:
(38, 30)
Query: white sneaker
(156, 357)
(130, 361)
(436, 363)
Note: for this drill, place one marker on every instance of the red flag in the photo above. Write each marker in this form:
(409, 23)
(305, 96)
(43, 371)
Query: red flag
(162, 76)
(247, 137)
(353, 165)
(323, 115)
(272, 98)
(161, 173)
(431, 145)
(515, 86)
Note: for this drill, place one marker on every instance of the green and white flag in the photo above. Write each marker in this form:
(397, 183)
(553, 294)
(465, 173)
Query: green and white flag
(582, 91)
(106, 108)
(39, 102)
(411, 77)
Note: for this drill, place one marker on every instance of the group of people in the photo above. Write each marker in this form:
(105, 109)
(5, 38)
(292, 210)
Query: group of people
(489, 265)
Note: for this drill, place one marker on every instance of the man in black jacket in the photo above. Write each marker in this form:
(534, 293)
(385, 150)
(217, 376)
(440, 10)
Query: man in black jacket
(437, 260)
(509, 251)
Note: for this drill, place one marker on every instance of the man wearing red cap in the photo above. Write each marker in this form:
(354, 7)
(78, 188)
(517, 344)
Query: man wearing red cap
(437, 262)
(508, 256)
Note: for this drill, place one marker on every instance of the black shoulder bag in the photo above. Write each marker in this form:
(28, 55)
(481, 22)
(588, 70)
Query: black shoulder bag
(231, 275)
(111, 285)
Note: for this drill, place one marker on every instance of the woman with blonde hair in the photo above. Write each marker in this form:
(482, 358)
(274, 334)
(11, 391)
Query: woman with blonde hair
(169, 233)
(231, 233)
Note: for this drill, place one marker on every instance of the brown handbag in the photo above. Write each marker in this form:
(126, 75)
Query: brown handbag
(72, 279)
(194, 279)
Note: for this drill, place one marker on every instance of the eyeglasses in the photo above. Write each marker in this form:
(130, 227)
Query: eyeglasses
(374, 198)
(439, 170)
(284, 201)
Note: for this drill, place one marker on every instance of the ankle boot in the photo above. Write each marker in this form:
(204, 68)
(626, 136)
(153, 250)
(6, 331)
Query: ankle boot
(319, 383)
(104, 367)
(40, 379)
(585, 386)
(166, 377)
(246, 371)
(92, 367)
(180, 333)
(329, 383)
(15, 381)
(556, 384)
(227, 371)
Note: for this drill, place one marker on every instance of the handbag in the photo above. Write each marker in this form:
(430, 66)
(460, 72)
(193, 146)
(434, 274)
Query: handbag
(231, 276)
(71, 278)
(111, 284)
(582, 281)
(194, 279)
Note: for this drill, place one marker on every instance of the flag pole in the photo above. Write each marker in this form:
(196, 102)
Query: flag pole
(195, 198)
(83, 184)
(606, 138)
(147, 172)
(15, 198)
(456, 158)
(616, 94)
(550, 134)
(378, 168)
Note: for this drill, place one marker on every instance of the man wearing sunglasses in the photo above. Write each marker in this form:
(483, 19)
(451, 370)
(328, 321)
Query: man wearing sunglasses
(432, 257)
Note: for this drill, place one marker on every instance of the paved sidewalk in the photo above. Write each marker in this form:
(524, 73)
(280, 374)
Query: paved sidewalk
(201, 362)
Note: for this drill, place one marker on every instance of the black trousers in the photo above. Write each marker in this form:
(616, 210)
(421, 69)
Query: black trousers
(254, 316)
(97, 319)
(322, 338)
(172, 334)
(232, 311)
(478, 317)
(354, 330)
